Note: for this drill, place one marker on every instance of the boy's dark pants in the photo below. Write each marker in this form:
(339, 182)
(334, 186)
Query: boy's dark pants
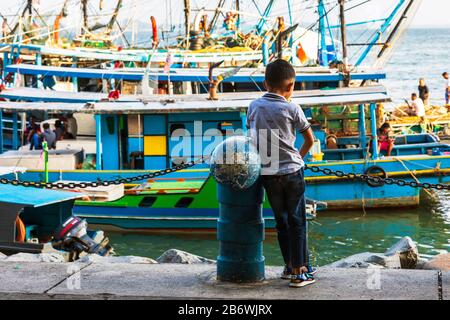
(286, 195)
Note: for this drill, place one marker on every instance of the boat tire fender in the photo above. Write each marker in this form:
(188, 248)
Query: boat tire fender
(373, 170)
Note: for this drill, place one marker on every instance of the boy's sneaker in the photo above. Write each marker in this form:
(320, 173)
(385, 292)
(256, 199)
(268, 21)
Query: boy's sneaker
(286, 274)
(311, 269)
(301, 280)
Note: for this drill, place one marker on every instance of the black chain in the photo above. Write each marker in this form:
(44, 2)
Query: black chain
(378, 181)
(374, 180)
(84, 185)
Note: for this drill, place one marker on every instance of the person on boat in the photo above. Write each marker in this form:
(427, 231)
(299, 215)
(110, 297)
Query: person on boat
(424, 92)
(71, 127)
(49, 136)
(30, 127)
(385, 143)
(35, 139)
(273, 122)
(447, 87)
(59, 130)
(417, 106)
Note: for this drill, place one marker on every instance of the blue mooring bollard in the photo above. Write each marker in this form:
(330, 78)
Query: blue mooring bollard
(236, 167)
(240, 231)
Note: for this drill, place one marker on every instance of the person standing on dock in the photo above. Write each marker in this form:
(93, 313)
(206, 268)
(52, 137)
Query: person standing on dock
(273, 122)
(424, 92)
(447, 87)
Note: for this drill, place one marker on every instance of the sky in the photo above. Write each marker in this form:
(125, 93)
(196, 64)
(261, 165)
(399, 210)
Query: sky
(431, 13)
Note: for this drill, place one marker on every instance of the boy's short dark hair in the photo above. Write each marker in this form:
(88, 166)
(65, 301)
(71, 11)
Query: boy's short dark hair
(46, 126)
(279, 71)
(445, 74)
(413, 94)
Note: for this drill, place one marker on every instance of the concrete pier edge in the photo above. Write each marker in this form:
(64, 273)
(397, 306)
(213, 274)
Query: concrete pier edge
(29, 280)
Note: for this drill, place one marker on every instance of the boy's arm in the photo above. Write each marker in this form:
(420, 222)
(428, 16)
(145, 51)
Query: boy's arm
(302, 124)
(308, 137)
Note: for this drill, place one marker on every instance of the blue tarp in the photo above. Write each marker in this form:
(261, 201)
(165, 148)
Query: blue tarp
(34, 197)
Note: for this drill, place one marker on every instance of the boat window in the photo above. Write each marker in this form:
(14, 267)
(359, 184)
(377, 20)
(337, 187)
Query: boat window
(147, 202)
(184, 202)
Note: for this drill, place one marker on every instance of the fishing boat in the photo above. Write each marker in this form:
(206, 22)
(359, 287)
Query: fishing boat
(245, 38)
(436, 120)
(140, 137)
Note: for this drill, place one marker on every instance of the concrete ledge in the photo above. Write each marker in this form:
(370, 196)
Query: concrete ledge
(180, 281)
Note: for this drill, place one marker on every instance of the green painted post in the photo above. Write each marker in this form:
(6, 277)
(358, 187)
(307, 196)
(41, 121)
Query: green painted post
(45, 148)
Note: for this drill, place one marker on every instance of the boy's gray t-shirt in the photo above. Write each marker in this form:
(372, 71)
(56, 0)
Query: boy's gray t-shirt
(280, 119)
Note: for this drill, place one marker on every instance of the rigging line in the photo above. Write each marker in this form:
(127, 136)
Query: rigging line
(316, 22)
(359, 50)
(357, 5)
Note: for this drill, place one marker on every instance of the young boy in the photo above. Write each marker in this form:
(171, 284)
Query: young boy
(273, 122)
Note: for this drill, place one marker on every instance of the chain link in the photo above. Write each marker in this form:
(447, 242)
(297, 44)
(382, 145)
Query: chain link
(376, 180)
(94, 184)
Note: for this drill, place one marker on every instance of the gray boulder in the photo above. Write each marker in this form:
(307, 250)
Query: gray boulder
(40, 257)
(95, 258)
(178, 256)
(368, 260)
(407, 252)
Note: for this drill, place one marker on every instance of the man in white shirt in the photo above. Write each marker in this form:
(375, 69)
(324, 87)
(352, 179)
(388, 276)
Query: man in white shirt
(417, 106)
(447, 87)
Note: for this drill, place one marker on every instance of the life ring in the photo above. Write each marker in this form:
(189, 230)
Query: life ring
(375, 171)
(20, 230)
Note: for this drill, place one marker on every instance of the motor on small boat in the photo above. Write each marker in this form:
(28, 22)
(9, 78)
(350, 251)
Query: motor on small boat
(36, 220)
(73, 236)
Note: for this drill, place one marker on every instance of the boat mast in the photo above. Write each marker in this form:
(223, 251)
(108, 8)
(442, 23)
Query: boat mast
(30, 11)
(84, 29)
(113, 20)
(238, 20)
(343, 34)
(187, 18)
(382, 29)
(387, 45)
(323, 50)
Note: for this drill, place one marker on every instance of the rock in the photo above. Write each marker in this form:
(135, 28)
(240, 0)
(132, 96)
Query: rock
(421, 263)
(178, 256)
(407, 251)
(367, 260)
(40, 257)
(95, 258)
(440, 262)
